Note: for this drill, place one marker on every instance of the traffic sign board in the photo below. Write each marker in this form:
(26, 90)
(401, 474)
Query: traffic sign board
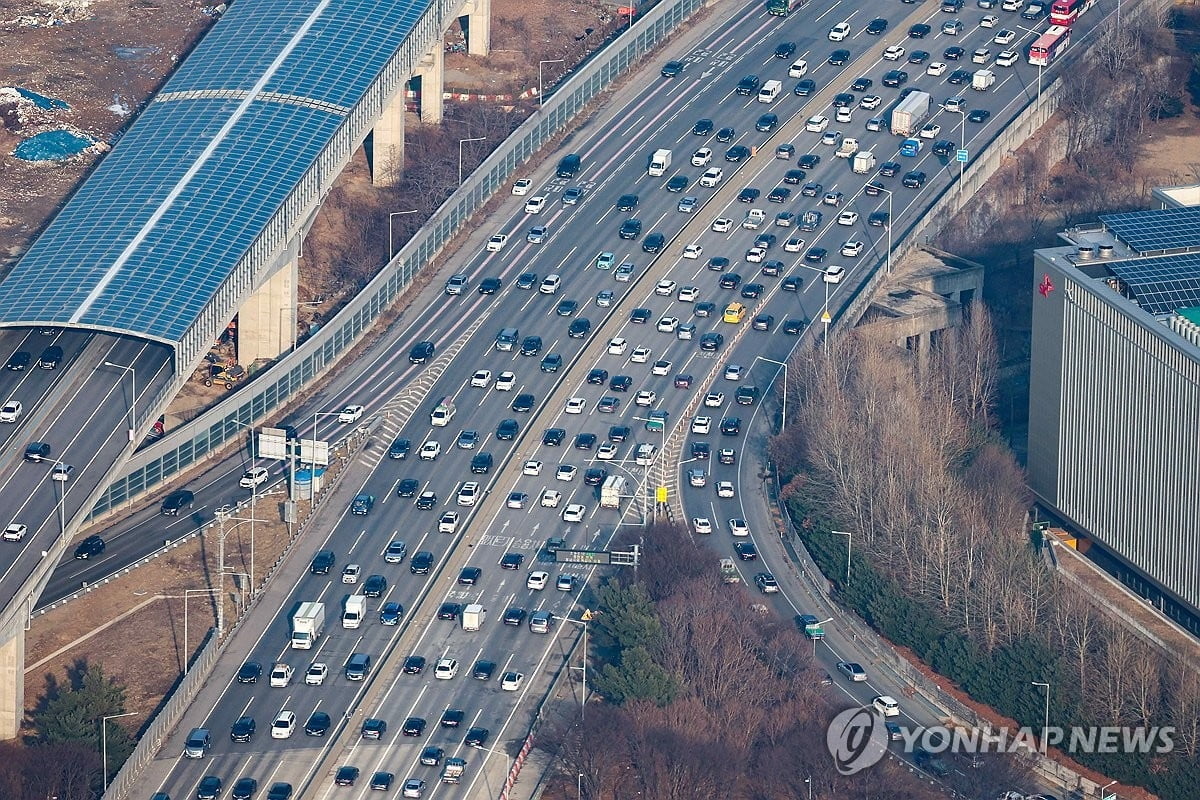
(961, 156)
(660, 494)
(582, 556)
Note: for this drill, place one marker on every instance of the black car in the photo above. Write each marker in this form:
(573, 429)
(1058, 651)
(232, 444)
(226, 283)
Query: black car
(730, 280)
(677, 184)
(792, 283)
(745, 551)
(861, 84)
(654, 242)
(919, 31)
(373, 728)
(421, 563)
(585, 441)
(527, 280)
(514, 616)
(772, 269)
(483, 670)
(91, 546)
(816, 255)
(630, 229)
(805, 87)
(490, 285)
(785, 49)
(838, 58)
(553, 437)
(808, 161)
(618, 433)
(766, 240)
(918, 56)
(748, 195)
(374, 586)
(794, 176)
(914, 179)
(673, 69)
(449, 611)
(959, 77)
(452, 717)
(209, 788)
(731, 426)
(627, 202)
(704, 309)
(737, 153)
(640, 316)
(597, 377)
(551, 362)
(843, 100)
(895, 77)
(243, 729)
(779, 194)
(280, 790)
(889, 169)
(476, 737)
(710, 342)
(566, 308)
(877, 26)
(953, 53)
(362, 504)
(322, 562)
(747, 395)
(531, 345)
(19, 361)
(594, 476)
(249, 672)
(944, 147)
(979, 115)
(702, 127)
(879, 219)
(481, 463)
(176, 501)
(413, 665)
(579, 327)
(701, 450)
(748, 85)
(399, 448)
(752, 291)
(718, 263)
(725, 135)
(766, 123)
(793, 326)
(874, 188)
(346, 776)
(469, 576)
(421, 353)
(382, 781)
(506, 431)
(413, 726)
(432, 756)
(512, 561)
(763, 322)
(523, 403)
(620, 383)
(318, 724)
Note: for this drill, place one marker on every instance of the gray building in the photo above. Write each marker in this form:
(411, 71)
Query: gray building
(1114, 400)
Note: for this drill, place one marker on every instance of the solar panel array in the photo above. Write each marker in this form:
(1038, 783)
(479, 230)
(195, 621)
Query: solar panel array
(1162, 284)
(148, 239)
(1156, 231)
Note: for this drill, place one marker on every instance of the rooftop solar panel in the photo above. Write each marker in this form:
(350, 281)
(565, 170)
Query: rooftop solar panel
(1162, 284)
(148, 239)
(1157, 231)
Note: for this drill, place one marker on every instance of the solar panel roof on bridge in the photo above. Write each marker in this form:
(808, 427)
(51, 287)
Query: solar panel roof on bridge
(1157, 231)
(148, 239)
(1162, 284)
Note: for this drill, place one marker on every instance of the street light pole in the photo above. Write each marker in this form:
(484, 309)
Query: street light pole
(186, 594)
(1046, 716)
(808, 781)
(849, 538)
(461, 142)
(888, 227)
(541, 91)
(391, 247)
(104, 742)
(783, 364)
(133, 396)
(962, 139)
(583, 696)
(1104, 789)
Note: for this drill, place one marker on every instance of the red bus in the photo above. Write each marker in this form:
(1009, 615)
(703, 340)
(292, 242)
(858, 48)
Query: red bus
(1049, 45)
(1065, 12)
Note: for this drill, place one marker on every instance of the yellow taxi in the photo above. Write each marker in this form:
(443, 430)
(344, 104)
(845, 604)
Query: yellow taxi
(734, 313)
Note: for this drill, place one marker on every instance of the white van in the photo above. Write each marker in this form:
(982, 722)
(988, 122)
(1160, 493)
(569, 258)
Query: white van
(798, 69)
(284, 725)
(644, 455)
(769, 91)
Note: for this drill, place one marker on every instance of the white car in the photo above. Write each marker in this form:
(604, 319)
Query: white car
(701, 157)
(516, 500)
(793, 245)
(893, 53)
(844, 114)
(755, 255)
(645, 398)
(505, 381)
(429, 451)
(496, 243)
(936, 68)
(839, 32)
(617, 346)
(687, 294)
(664, 288)
(870, 101)
(738, 527)
(250, 478)
(537, 580)
(468, 493)
(714, 399)
(350, 573)
(575, 405)
(281, 675)
(481, 378)
(701, 424)
(550, 284)
(531, 468)
(722, 225)
(350, 414)
(574, 512)
(847, 218)
(692, 251)
(798, 69)
(565, 472)
(11, 411)
(551, 498)
(852, 248)
(1005, 37)
(445, 669)
(833, 274)
(981, 56)
(816, 123)
(522, 186)
(702, 525)
(511, 681)
(640, 355)
(607, 451)
(15, 532)
(886, 706)
(667, 324)
(1007, 58)
(712, 177)
(734, 372)
(725, 489)
(989, 21)
(448, 522)
(930, 131)
(660, 368)
(534, 205)
(316, 674)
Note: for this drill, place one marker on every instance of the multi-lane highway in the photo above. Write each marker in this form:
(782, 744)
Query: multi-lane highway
(508, 517)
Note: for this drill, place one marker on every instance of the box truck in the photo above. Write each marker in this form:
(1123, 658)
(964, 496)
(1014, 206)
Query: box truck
(769, 91)
(356, 609)
(910, 113)
(864, 162)
(472, 617)
(982, 80)
(612, 490)
(308, 623)
(660, 162)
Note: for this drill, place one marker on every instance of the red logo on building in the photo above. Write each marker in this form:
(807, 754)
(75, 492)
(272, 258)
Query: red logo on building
(1045, 287)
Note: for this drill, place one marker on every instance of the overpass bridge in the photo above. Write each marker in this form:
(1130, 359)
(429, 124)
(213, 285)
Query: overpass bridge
(195, 216)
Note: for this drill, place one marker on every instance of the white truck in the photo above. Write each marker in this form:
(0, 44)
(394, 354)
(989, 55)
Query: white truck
(848, 148)
(472, 617)
(983, 80)
(660, 162)
(308, 623)
(355, 611)
(769, 91)
(864, 162)
(911, 113)
(754, 218)
(442, 413)
(453, 771)
(612, 490)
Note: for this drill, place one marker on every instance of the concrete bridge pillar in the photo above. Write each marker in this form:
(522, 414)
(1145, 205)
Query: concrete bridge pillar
(12, 676)
(432, 72)
(478, 27)
(267, 320)
(387, 142)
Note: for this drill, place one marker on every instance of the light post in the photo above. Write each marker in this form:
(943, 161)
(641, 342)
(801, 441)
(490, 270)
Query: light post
(1041, 118)
(783, 365)
(579, 787)
(1046, 716)
(888, 227)
(814, 641)
(1104, 789)
(133, 396)
(391, 247)
(104, 742)
(826, 318)
(541, 92)
(808, 782)
(461, 142)
(659, 458)
(186, 594)
(849, 539)
(583, 695)
(962, 139)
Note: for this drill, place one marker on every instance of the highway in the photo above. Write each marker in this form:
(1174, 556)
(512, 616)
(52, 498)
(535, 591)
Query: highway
(654, 112)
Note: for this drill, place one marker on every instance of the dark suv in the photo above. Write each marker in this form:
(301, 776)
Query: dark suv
(322, 562)
(91, 546)
(176, 501)
(421, 353)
